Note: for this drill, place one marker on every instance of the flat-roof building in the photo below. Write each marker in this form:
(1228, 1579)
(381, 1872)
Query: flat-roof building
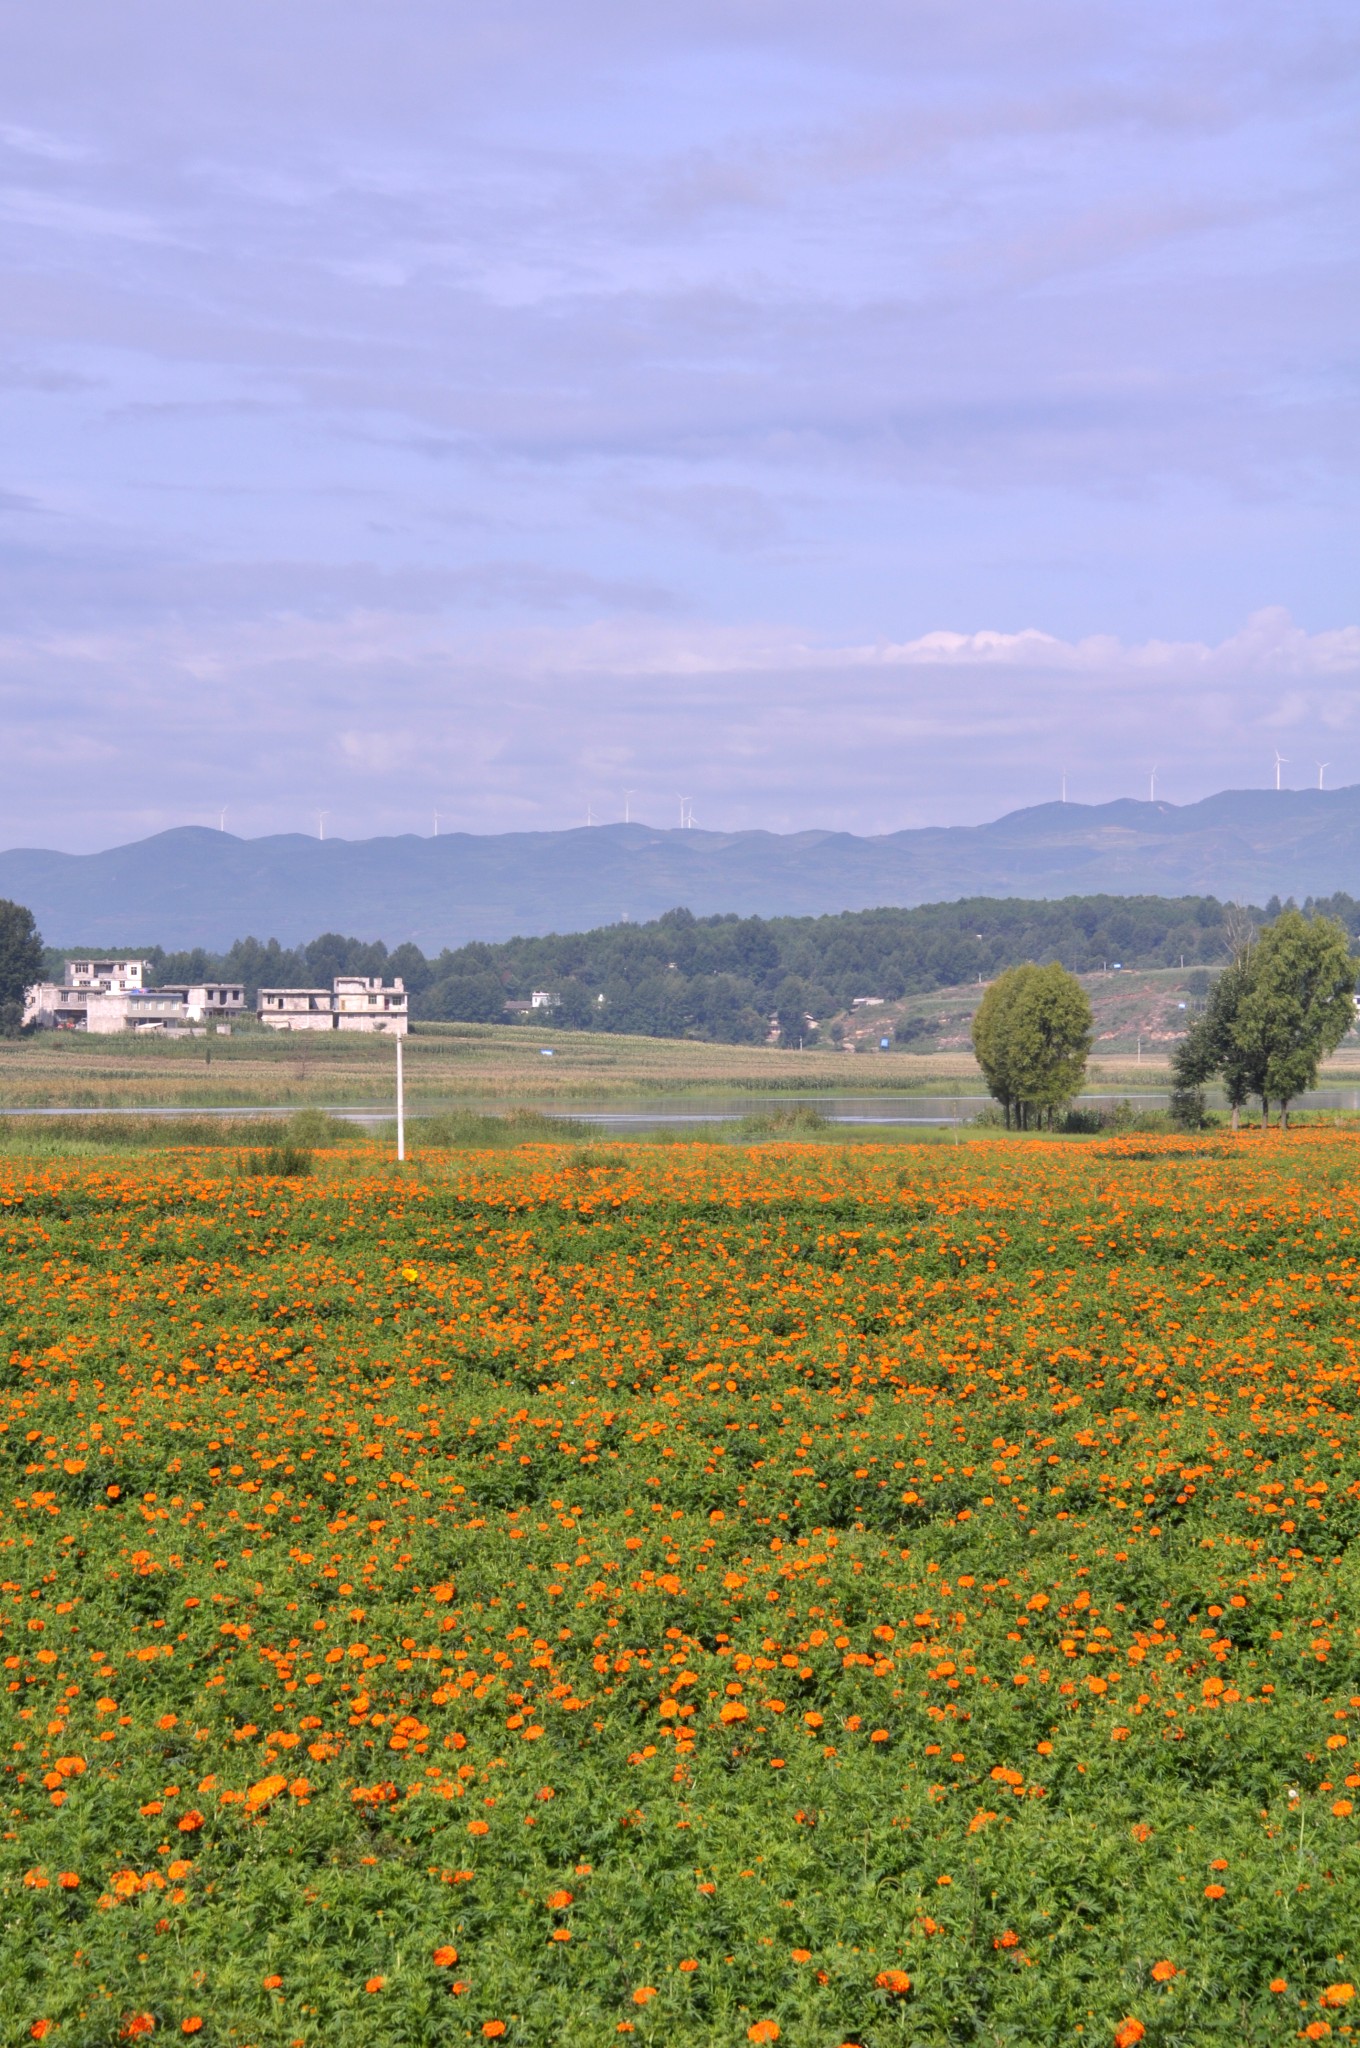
(353, 1002)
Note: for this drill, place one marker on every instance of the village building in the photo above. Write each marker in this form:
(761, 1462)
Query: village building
(209, 1002)
(353, 1002)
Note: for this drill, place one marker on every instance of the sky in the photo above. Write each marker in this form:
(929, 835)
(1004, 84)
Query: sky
(784, 415)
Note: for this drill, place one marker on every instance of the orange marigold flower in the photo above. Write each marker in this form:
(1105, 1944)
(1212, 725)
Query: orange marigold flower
(1163, 1972)
(1337, 1994)
(193, 2025)
(375, 1983)
(479, 1827)
(1140, 1831)
(644, 1994)
(895, 1981)
(1316, 2030)
(560, 1934)
(69, 1881)
(1343, 1808)
(140, 2023)
(801, 1955)
(271, 1983)
(259, 1794)
(40, 2029)
(1279, 1983)
(190, 1822)
(1128, 2033)
(763, 2030)
(690, 1963)
(445, 1956)
(493, 2029)
(558, 1901)
(1215, 1891)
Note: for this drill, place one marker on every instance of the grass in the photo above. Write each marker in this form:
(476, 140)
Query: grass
(483, 1068)
(706, 1594)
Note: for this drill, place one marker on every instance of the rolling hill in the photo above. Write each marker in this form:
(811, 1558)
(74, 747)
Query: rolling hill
(192, 887)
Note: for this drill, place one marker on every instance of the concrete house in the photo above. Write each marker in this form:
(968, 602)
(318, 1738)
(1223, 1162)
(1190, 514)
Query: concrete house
(64, 1005)
(213, 1002)
(353, 1002)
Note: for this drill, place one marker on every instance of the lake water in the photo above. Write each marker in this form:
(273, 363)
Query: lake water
(671, 1113)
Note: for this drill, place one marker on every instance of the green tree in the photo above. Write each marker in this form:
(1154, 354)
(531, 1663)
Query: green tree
(1032, 1035)
(1298, 1006)
(21, 963)
(1212, 1047)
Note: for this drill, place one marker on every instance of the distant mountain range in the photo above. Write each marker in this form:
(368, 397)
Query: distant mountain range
(194, 887)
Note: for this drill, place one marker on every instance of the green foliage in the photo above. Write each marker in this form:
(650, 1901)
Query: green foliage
(1274, 1013)
(720, 979)
(1032, 1035)
(801, 1121)
(279, 1162)
(1299, 1006)
(21, 962)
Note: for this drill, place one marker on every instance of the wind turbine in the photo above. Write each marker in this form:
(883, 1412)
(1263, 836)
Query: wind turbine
(1064, 789)
(684, 820)
(1323, 766)
(1152, 787)
(1281, 761)
(590, 813)
(321, 818)
(436, 824)
(628, 796)
(222, 816)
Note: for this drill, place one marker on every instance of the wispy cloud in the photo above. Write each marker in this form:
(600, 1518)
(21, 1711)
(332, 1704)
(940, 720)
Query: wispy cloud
(524, 401)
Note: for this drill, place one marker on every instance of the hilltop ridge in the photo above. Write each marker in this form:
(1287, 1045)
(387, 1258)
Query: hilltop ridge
(191, 886)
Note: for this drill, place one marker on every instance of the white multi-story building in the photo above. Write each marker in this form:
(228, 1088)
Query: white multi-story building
(353, 1002)
(364, 1002)
(63, 1005)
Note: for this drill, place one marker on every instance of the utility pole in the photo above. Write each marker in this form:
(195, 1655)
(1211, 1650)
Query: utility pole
(401, 1106)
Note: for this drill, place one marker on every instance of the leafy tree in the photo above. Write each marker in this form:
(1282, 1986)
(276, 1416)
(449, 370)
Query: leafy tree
(1298, 1006)
(1278, 1008)
(21, 963)
(1211, 1047)
(1032, 1035)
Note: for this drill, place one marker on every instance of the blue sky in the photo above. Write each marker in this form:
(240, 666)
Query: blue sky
(853, 417)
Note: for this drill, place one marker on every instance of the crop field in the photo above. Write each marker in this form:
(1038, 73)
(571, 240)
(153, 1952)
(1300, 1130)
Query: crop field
(689, 1595)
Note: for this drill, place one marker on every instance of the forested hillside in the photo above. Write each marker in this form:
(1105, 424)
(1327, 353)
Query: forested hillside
(724, 978)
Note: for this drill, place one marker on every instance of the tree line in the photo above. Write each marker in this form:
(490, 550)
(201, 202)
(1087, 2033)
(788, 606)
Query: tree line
(723, 978)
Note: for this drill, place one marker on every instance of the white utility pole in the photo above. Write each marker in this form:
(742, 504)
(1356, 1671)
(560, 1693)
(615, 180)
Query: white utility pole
(401, 1105)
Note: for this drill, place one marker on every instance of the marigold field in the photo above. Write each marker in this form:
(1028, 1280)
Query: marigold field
(808, 1594)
